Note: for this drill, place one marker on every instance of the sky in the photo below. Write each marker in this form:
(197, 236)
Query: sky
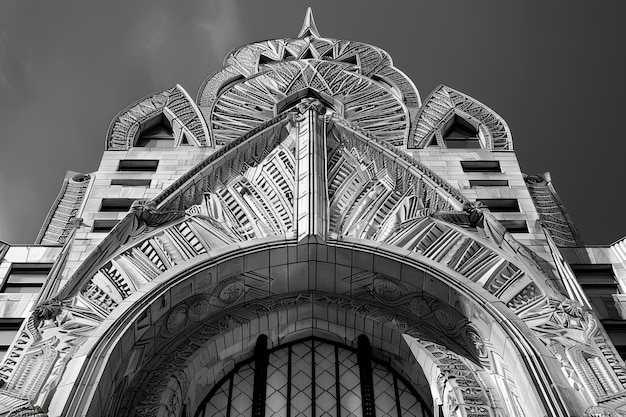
(553, 70)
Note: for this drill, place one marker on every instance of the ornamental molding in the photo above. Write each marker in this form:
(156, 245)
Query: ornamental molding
(175, 105)
(554, 217)
(259, 79)
(442, 104)
(61, 220)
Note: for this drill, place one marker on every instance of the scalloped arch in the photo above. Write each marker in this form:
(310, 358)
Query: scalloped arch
(175, 104)
(442, 104)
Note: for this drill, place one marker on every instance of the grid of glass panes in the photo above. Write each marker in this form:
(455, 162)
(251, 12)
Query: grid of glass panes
(312, 374)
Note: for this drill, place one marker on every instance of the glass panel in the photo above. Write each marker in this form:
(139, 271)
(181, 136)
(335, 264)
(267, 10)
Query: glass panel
(301, 379)
(384, 392)
(7, 336)
(218, 404)
(10, 289)
(325, 392)
(27, 278)
(350, 384)
(277, 379)
(243, 385)
(409, 403)
(304, 376)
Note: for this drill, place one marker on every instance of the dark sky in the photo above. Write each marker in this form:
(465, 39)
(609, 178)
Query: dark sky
(553, 70)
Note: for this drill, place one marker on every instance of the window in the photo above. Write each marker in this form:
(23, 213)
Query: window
(103, 226)
(131, 182)
(481, 166)
(489, 183)
(460, 134)
(26, 278)
(134, 165)
(500, 205)
(599, 283)
(515, 226)
(156, 133)
(8, 331)
(294, 372)
(116, 204)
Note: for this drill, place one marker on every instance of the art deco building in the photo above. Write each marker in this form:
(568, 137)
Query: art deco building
(310, 237)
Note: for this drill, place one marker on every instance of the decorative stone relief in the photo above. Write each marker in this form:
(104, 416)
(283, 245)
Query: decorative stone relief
(552, 212)
(61, 220)
(442, 104)
(180, 110)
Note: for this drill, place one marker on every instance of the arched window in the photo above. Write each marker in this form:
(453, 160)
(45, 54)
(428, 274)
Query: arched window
(459, 133)
(314, 375)
(156, 133)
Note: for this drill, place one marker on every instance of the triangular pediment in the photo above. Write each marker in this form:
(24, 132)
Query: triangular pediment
(323, 179)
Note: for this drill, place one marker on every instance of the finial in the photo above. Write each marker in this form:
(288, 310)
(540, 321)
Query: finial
(308, 26)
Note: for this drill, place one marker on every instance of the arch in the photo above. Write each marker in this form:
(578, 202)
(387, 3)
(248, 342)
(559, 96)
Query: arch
(445, 103)
(161, 306)
(174, 104)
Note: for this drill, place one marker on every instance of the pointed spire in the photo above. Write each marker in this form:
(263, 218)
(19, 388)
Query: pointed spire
(308, 26)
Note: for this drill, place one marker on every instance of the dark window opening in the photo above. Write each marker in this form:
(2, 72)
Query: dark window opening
(489, 183)
(131, 182)
(134, 165)
(265, 60)
(328, 54)
(157, 133)
(515, 226)
(481, 166)
(500, 205)
(621, 349)
(599, 284)
(26, 278)
(103, 226)
(460, 134)
(116, 204)
(307, 54)
(350, 60)
(8, 331)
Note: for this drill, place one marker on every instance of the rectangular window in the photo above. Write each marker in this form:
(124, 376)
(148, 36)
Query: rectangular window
(489, 183)
(103, 226)
(515, 226)
(131, 182)
(481, 166)
(116, 204)
(26, 278)
(462, 143)
(500, 205)
(8, 331)
(133, 165)
(599, 284)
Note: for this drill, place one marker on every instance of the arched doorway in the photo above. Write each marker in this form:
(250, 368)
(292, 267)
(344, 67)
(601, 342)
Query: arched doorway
(180, 337)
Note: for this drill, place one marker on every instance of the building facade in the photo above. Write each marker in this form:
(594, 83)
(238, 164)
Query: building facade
(310, 237)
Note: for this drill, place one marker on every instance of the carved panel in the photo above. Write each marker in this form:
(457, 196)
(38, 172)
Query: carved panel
(442, 104)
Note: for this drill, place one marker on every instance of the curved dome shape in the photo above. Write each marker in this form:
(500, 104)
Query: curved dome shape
(258, 76)
(250, 102)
